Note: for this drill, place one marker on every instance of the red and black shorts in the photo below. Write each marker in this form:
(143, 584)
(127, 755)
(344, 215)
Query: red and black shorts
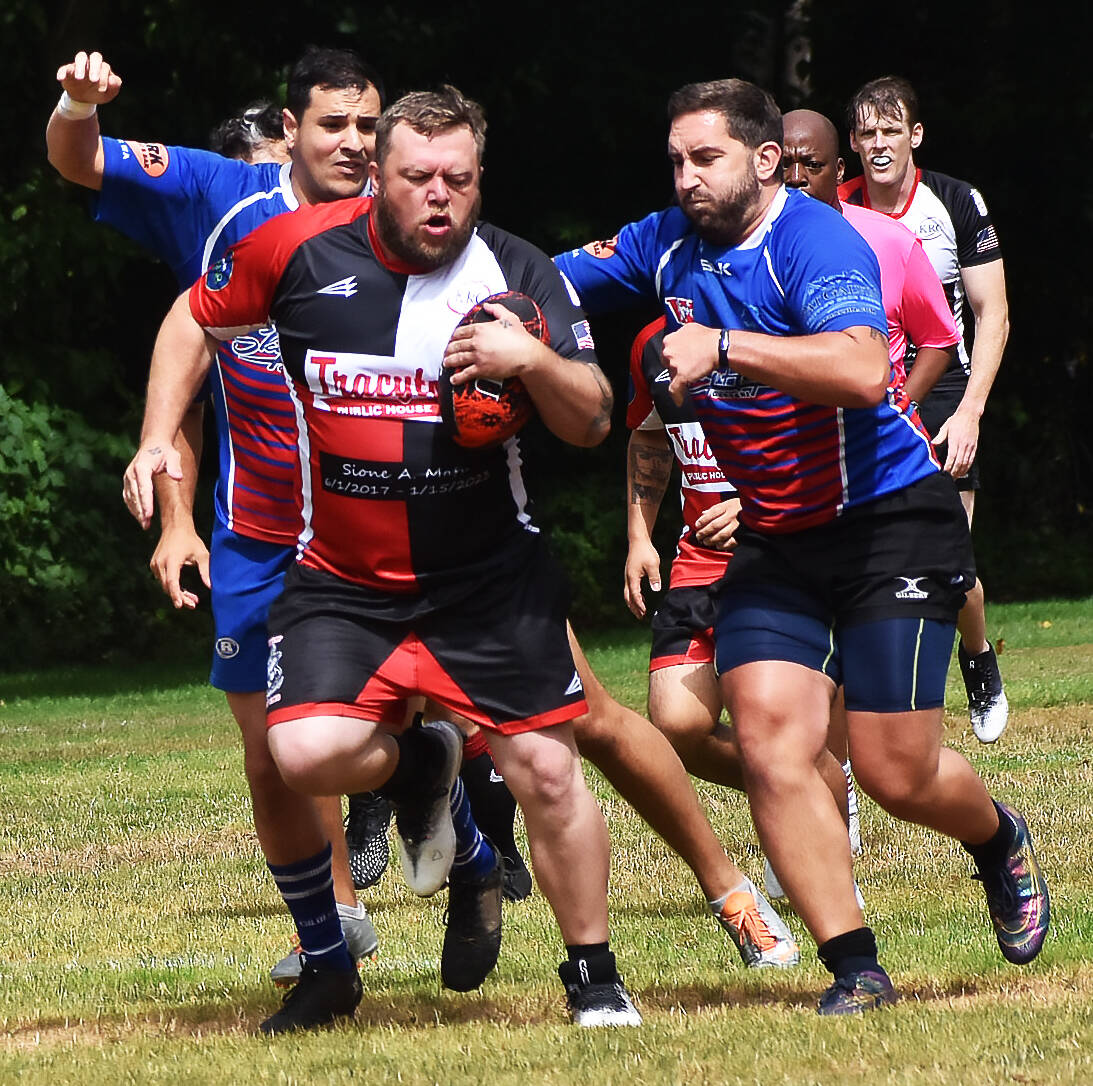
(683, 626)
(495, 651)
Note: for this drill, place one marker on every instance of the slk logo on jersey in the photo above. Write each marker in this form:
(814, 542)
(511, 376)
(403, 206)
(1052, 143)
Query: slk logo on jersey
(153, 157)
(910, 589)
(602, 250)
(343, 288)
(683, 309)
(219, 274)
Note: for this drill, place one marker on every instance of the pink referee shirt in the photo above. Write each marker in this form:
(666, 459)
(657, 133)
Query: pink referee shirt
(914, 300)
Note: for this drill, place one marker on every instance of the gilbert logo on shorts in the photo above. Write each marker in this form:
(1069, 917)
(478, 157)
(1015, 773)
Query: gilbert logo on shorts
(153, 157)
(910, 589)
(227, 647)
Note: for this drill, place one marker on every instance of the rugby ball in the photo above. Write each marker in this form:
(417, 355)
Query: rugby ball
(484, 412)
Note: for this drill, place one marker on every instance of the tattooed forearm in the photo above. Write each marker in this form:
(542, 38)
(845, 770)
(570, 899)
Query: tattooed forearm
(601, 421)
(649, 474)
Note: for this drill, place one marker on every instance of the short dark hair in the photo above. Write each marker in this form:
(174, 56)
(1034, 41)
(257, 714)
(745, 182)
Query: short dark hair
(892, 97)
(238, 136)
(328, 69)
(430, 112)
(751, 114)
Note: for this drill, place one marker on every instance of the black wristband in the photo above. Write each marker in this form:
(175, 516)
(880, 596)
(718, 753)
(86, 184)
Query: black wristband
(723, 349)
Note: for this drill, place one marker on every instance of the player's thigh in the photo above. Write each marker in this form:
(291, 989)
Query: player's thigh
(685, 700)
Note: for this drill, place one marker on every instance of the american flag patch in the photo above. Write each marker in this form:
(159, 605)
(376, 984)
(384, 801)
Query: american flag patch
(583, 334)
(986, 240)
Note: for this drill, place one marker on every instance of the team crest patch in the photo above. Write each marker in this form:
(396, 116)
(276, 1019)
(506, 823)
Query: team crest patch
(219, 274)
(153, 157)
(227, 647)
(602, 250)
(683, 309)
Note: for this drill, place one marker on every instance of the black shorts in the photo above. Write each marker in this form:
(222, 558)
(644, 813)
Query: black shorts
(496, 652)
(790, 597)
(683, 626)
(939, 405)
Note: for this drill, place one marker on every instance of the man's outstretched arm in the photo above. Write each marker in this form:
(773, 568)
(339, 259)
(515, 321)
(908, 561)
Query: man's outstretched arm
(73, 143)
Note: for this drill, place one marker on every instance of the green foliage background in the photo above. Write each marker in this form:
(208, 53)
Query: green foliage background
(575, 96)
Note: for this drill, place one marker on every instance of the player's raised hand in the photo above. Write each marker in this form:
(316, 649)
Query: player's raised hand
(151, 459)
(89, 78)
(690, 353)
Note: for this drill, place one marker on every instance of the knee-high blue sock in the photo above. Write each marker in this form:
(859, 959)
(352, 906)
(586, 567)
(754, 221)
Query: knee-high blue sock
(307, 887)
(474, 858)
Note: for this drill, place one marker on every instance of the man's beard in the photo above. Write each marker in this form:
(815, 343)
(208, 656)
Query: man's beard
(723, 220)
(421, 253)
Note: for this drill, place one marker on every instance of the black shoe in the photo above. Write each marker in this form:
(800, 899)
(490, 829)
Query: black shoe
(472, 941)
(597, 997)
(320, 997)
(366, 837)
(517, 881)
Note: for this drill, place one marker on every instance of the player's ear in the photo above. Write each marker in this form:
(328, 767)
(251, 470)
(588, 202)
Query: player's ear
(768, 161)
(374, 175)
(291, 125)
(916, 134)
(840, 171)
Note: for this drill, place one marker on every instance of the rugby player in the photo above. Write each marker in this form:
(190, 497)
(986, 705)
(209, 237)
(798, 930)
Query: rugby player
(377, 608)
(853, 555)
(951, 219)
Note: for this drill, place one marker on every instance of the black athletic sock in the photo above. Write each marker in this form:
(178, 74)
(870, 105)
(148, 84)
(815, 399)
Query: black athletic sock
(491, 801)
(991, 854)
(850, 952)
(589, 963)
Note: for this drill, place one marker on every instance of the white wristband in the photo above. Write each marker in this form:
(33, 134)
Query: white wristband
(74, 111)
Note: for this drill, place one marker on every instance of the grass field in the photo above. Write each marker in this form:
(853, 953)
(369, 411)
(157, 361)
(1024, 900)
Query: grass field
(137, 922)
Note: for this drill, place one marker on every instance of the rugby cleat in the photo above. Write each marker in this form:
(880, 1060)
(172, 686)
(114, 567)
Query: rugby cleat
(987, 705)
(366, 837)
(1017, 896)
(600, 1002)
(472, 940)
(857, 993)
(319, 999)
(759, 933)
(360, 937)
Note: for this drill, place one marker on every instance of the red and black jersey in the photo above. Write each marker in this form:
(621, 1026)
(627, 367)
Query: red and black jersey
(702, 482)
(388, 499)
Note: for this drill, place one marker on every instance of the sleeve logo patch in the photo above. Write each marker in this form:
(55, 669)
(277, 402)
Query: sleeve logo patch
(153, 157)
(219, 274)
(602, 250)
(583, 334)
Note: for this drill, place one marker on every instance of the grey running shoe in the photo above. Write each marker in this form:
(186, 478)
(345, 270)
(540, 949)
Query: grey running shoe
(597, 1003)
(366, 837)
(1017, 897)
(858, 993)
(472, 940)
(759, 933)
(987, 704)
(320, 998)
(424, 824)
(360, 937)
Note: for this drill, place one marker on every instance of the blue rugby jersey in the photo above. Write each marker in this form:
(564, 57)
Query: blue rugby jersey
(187, 207)
(803, 270)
